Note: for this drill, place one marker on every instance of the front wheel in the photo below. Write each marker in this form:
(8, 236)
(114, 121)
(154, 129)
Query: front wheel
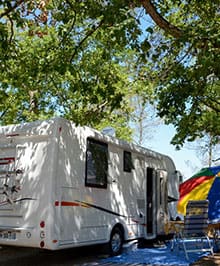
(116, 242)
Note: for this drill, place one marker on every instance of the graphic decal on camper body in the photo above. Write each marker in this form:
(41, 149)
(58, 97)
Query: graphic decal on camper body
(10, 183)
(89, 205)
(7, 202)
(8, 160)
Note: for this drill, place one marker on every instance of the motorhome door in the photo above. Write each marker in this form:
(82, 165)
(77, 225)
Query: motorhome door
(151, 204)
(162, 201)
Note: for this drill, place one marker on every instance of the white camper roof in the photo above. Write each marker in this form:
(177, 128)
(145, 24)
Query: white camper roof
(47, 127)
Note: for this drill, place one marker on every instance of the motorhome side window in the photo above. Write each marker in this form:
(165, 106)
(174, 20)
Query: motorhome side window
(128, 164)
(96, 164)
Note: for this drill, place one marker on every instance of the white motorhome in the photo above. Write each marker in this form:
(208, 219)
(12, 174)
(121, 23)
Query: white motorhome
(65, 186)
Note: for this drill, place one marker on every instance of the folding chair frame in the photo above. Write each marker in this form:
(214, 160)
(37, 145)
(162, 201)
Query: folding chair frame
(195, 230)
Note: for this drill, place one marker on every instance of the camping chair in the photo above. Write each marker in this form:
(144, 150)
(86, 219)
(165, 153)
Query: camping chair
(194, 236)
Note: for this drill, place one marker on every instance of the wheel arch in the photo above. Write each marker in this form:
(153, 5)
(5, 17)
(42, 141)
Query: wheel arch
(122, 229)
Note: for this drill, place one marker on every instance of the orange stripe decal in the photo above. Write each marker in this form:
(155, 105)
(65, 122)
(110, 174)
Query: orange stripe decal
(69, 203)
(86, 205)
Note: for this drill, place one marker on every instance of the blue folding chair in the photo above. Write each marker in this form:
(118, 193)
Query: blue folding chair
(194, 236)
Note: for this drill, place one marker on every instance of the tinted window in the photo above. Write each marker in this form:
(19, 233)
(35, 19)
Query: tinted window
(96, 164)
(128, 164)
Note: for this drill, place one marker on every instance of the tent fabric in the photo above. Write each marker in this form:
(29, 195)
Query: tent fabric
(205, 184)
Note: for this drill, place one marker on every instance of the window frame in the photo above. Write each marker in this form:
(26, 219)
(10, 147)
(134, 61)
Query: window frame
(127, 161)
(103, 184)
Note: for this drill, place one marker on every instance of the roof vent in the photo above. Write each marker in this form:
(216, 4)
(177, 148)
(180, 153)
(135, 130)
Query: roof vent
(110, 131)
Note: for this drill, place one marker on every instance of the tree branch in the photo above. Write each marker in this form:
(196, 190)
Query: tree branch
(85, 38)
(7, 11)
(212, 104)
(159, 20)
(12, 29)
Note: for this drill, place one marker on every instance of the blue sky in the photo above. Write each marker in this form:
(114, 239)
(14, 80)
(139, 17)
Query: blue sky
(185, 160)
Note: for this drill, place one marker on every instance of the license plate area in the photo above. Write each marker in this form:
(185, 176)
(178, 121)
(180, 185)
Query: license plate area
(10, 235)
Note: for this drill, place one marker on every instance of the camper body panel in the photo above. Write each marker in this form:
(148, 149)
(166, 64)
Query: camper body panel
(93, 211)
(27, 168)
(56, 205)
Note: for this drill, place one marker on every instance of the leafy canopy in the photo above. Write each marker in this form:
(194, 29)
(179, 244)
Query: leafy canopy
(68, 58)
(80, 59)
(185, 51)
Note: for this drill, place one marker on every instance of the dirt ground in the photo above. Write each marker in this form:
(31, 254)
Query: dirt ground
(208, 261)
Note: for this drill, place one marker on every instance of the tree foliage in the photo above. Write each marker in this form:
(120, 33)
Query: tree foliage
(81, 59)
(66, 58)
(187, 57)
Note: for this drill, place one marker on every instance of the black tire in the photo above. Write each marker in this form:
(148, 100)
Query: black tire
(116, 242)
